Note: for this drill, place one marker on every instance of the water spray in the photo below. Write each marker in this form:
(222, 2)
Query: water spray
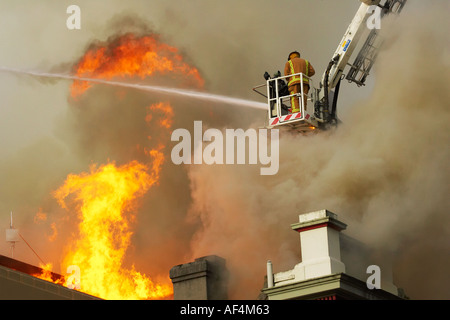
(172, 91)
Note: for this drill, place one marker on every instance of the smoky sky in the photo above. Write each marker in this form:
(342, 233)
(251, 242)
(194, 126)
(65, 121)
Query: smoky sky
(384, 171)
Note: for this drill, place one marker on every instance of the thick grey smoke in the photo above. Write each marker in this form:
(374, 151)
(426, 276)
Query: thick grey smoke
(384, 171)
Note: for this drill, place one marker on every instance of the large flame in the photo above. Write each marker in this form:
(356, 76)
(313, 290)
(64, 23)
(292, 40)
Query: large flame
(104, 199)
(131, 56)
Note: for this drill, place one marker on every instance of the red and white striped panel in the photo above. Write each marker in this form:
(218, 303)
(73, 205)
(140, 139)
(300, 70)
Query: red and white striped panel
(291, 116)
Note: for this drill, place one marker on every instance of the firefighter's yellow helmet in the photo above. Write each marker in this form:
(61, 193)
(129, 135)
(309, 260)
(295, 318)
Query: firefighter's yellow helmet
(292, 53)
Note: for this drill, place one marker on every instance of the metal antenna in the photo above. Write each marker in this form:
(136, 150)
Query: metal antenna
(12, 243)
(12, 235)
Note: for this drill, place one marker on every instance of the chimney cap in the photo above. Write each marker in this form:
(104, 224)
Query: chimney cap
(317, 219)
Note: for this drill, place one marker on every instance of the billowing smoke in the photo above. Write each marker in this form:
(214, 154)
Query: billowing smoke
(384, 171)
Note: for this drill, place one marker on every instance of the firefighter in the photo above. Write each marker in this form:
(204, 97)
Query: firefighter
(295, 65)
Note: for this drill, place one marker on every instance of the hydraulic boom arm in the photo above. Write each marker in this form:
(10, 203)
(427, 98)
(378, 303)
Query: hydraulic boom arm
(358, 29)
(348, 43)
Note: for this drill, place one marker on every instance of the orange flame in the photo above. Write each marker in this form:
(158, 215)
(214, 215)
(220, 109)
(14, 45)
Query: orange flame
(167, 112)
(104, 199)
(132, 56)
(47, 274)
(40, 216)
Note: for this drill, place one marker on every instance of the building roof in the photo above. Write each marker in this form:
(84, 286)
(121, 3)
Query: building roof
(17, 282)
(338, 286)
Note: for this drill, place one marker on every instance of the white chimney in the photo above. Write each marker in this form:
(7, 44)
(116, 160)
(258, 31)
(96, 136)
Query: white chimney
(320, 243)
(322, 274)
(320, 248)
